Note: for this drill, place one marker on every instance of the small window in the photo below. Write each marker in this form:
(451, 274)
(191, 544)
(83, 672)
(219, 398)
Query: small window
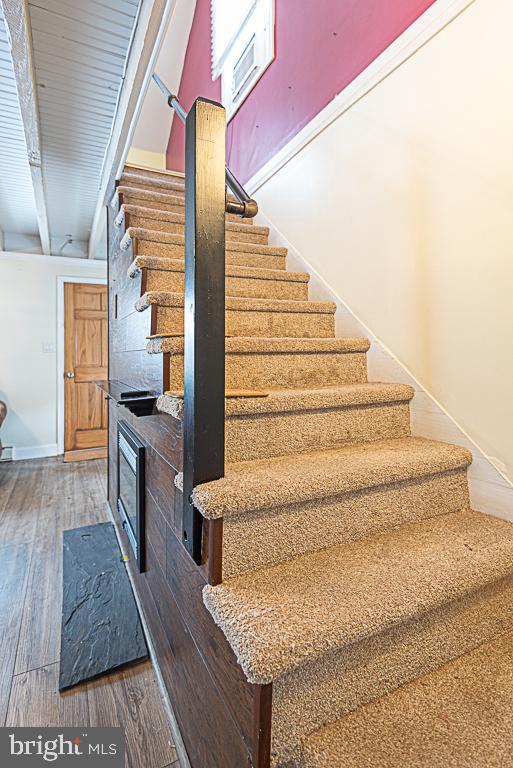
(242, 47)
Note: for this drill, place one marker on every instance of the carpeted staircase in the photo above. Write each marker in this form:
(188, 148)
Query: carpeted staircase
(356, 578)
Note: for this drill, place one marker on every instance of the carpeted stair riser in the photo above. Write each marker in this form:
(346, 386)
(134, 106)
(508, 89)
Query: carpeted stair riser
(159, 182)
(259, 437)
(171, 202)
(163, 185)
(242, 258)
(261, 371)
(148, 239)
(271, 536)
(154, 199)
(153, 173)
(251, 435)
(167, 280)
(169, 320)
(328, 689)
(246, 235)
(238, 258)
(458, 716)
(266, 364)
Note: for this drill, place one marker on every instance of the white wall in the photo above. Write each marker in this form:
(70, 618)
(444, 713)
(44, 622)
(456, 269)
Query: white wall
(404, 205)
(151, 135)
(28, 347)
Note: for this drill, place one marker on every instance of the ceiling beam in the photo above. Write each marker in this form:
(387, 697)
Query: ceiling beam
(18, 27)
(149, 33)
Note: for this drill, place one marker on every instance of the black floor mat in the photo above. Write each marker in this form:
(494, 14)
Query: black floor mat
(101, 628)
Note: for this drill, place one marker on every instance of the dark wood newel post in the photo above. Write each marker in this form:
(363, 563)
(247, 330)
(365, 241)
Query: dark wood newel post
(204, 308)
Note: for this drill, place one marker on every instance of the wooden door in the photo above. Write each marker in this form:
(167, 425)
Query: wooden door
(85, 361)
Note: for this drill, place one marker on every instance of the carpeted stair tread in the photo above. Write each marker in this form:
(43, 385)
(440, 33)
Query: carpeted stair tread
(162, 181)
(153, 173)
(232, 270)
(241, 303)
(158, 214)
(267, 484)
(151, 195)
(459, 716)
(295, 400)
(275, 363)
(166, 183)
(157, 236)
(253, 344)
(156, 197)
(247, 316)
(279, 618)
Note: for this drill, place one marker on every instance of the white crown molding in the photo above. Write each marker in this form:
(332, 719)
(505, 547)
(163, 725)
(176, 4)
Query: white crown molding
(427, 26)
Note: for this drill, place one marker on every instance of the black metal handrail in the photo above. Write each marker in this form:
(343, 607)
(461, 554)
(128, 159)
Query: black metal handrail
(244, 205)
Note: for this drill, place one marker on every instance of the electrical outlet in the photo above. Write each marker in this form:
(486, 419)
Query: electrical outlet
(48, 348)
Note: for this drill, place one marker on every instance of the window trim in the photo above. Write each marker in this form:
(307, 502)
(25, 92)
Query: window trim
(261, 10)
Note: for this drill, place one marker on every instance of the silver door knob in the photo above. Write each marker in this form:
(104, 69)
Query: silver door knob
(70, 374)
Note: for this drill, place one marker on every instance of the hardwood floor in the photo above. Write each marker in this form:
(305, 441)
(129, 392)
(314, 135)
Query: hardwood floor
(38, 500)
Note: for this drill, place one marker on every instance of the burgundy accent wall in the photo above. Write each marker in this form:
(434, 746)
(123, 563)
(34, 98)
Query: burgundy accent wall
(320, 47)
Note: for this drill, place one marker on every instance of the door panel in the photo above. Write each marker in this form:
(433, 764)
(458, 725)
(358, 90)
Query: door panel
(85, 361)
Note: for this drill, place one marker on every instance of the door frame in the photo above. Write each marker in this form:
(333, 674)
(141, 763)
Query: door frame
(61, 281)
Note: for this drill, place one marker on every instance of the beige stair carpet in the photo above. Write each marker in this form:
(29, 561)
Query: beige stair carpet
(459, 716)
(297, 421)
(277, 363)
(171, 201)
(354, 572)
(271, 514)
(164, 221)
(165, 274)
(249, 316)
(357, 590)
(334, 629)
(274, 363)
(151, 242)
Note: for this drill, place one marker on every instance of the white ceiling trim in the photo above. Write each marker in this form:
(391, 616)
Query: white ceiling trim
(17, 24)
(151, 27)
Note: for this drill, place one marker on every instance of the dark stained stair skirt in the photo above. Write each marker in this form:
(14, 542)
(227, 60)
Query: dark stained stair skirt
(101, 629)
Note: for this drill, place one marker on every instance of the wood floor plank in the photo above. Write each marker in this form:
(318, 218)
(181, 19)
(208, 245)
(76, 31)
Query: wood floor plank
(20, 492)
(131, 698)
(9, 472)
(38, 500)
(71, 497)
(39, 642)
(36, 701)
(14, 559)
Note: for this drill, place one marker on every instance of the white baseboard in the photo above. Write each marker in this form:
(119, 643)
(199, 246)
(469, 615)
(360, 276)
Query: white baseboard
(491, 491)
(34, 452)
